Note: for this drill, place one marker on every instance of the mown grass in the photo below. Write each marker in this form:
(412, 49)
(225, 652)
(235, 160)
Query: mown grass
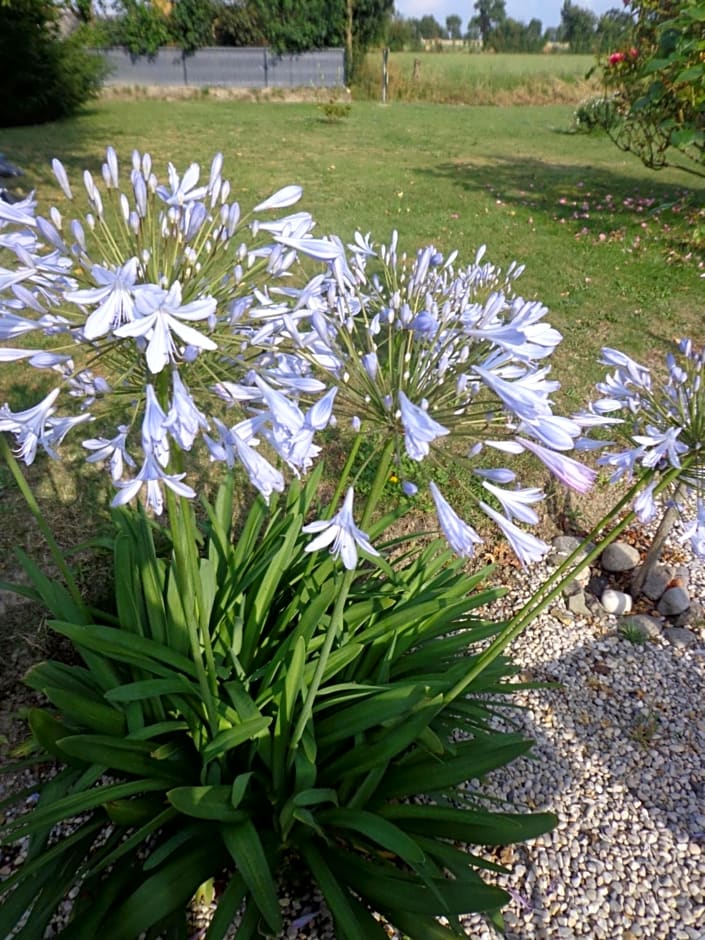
(608, 245)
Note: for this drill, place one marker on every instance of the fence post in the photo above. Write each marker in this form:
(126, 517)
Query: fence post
(385, 74)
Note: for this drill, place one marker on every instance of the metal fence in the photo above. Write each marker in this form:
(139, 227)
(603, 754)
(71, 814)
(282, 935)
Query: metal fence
(236, 68)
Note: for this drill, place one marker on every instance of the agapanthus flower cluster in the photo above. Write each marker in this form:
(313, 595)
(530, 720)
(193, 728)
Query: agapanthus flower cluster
(139, 312)
(660, 424)
(446, 361)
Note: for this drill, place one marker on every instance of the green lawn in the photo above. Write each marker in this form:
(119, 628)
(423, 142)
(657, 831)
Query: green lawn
(578, 212)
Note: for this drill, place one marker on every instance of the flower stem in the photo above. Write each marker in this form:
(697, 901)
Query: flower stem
(336, 622)
(186, 561)
(657, 543)
(43, 525)
(344, 476)
(334, 627)
(378, 484)
(552, 587)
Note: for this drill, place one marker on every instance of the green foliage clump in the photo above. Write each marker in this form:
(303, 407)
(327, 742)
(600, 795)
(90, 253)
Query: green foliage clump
(335, 111)
(328, 707)
(597, 113)
(43, 75)
(191, 24)
(142, 29)
(658, 76)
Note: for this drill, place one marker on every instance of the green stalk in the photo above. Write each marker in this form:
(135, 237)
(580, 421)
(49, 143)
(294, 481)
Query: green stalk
(43, 525)
(344, 476)
(186, 564)
(336, 622)
(553, 586)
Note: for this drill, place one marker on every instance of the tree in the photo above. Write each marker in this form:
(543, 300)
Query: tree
(43, 75)
(402, 33)
(613, 30)
(142, 28)
(578, 27)
(512, 36)
(490, 14)
(454, 26)
(238, 24)
(191, 24)
(430, 28)
(656, 83)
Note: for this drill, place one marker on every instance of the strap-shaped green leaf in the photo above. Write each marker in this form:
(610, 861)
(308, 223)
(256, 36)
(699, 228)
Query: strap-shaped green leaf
(247, 851)
(86, 710)
(473, 759)
(152, 688)
(61, 676)
(228, 905)
(54, 595)
(379, 708)
(75, 804)
(126, 647)
(473, 826)
(167, 890)
(378, 830)
(227, 740)
(394, 889)
(386, 745)
(48, 730)
(124, 756)
(422, 927)
(206, 802)
(350, 920)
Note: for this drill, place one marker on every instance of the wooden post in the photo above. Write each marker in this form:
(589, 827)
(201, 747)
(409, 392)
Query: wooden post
(385, 74)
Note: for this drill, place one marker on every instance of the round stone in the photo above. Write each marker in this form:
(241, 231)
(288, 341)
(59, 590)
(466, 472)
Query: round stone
(620, 556)
(616, 602)
(674, 601)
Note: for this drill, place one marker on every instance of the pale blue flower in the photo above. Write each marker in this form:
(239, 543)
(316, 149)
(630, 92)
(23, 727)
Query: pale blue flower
(29, 426)
(113, 451)
(461, 537)
(281, 199)
(695, 531)
(155, 439)
(645, 505)
(526, 546)
(184, 421)
(182, 189)
(661, 445)
(341, 534)
(153, 476)
(61, 177)
(160, 313)
(420, 430)
(570, 472)
(518, 396)
(517, 503)
(114, 296)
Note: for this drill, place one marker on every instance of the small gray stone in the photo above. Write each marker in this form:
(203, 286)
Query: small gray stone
(572, 588)
(576, 605)
(616, 602)
(565, 545)
(691, 617)
(673, 602)
(597, 584)
(620, 556)
(680, 637)
(656, 581)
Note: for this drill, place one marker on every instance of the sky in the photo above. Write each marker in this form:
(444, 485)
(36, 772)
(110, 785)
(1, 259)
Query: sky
(548, 11)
